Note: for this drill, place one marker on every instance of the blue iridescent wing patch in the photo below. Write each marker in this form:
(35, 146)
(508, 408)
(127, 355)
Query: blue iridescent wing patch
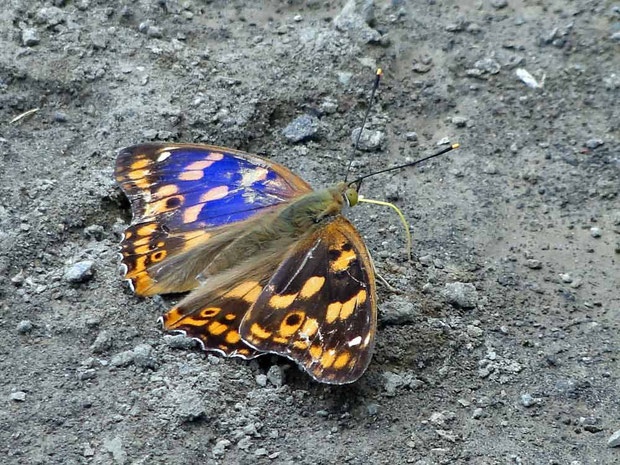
(181, 192)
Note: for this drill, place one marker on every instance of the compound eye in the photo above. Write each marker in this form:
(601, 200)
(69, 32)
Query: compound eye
(351, 196)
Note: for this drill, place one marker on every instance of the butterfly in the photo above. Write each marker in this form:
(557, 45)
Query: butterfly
(271, 265)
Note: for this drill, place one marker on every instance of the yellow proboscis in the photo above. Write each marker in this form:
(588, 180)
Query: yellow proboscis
(400, 214)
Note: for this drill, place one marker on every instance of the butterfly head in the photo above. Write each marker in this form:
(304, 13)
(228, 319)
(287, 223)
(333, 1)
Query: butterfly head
(348, 192)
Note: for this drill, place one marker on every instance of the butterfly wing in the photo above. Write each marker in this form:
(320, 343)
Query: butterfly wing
(319, 308)
(184, 195)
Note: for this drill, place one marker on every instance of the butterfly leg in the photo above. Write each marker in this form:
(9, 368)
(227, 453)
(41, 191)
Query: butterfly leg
(387, 285)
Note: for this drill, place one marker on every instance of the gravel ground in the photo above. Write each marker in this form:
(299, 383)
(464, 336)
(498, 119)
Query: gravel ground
(501, 344)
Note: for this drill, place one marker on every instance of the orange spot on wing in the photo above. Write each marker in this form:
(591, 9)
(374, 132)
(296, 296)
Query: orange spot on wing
(327, 359)
(230, 316)
(315, 352)
(301, 345)
(282, 301)
(310, 327)
(259, 331)
(343, 261)
(342, 360)
(147, 230)
(291, 323)
(158, 256)
(350, 305)
(232, 337)
(312, 286)
(210, 312)
(136, 165)
(279, 340)
(333, 310)
(217, 328)
(137, 174)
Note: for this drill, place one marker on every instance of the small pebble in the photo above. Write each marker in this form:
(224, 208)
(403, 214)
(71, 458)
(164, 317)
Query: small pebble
(102, 343)
(566, 278)
(370, 139)
(462, 295)
(261, 380)
(220, 447)
(459, 121)
(143, 356)
(527, 400)
(499, 4)
(122, 359)
(533, 264)
(595, 232)
(30, 37)
(411, 136)
(24, 327)
(302, 128)
(477, 413)
(614, 440)
(18, 396)
(594, 143)
(275, 375)
(80, 272)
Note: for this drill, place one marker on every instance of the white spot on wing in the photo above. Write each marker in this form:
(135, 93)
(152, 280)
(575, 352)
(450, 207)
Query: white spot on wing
(355, 341)
(162, 156)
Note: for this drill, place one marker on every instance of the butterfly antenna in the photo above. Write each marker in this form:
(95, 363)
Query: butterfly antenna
(359, 180)
(375, 85)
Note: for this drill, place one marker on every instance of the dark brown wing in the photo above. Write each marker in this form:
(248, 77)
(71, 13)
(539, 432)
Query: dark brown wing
(319, 309)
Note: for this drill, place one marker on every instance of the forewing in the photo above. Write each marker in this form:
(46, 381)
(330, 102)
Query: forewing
(182, 194)
(319, 309)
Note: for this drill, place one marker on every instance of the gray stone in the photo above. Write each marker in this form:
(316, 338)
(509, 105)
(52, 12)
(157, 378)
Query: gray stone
(533, 264)
(302, 128)
(595, 232)
(370, 139)
(411, 136)
(594, 143)
(488, 65)
(261, 452)
(179, 341)
(566, 278)
(143, 356)
(115, 447)
(60, 117)
(261, 380)
(398, 311)
(459, 121)
(462, 295)
(122, 359)
(344, 77)
(220, 447)
(477, 413)
(372, 409)
(275, 375)
(154, 32)
(18, 396)
(51, 16)
(80, 272)
(527, 400)
(30, 37)
(190, 406)
(102, 343)
(354, 19)
(614, 440)
(24, 327)
(499, 4)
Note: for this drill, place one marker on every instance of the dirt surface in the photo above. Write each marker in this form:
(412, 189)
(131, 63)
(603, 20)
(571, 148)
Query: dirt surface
(502, 346)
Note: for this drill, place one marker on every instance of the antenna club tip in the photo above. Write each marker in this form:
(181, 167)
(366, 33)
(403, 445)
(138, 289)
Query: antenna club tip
(456, 146)
(379, 72)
